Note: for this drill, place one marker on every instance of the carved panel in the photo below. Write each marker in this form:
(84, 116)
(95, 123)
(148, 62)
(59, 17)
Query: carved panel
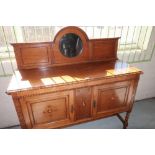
(50, 111)
(83, 103)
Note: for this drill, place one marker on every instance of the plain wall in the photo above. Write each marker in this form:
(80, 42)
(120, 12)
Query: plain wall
(146, 89)
(8, 116)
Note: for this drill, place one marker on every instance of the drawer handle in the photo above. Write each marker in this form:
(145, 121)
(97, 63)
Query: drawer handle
(113, 98)
(83, 103)
(49, 110)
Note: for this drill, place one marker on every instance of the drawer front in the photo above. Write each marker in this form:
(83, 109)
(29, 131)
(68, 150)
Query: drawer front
(83, 103)
(111, 97)
(49, 110)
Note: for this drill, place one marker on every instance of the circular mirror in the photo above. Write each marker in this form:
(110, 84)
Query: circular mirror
(70, 45)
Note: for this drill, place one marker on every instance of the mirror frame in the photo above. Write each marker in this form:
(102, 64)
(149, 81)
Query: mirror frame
(59, 57)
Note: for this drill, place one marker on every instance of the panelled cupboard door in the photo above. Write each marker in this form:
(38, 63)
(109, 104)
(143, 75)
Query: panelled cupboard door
(48, 110)
(112, 98)
(83, 106)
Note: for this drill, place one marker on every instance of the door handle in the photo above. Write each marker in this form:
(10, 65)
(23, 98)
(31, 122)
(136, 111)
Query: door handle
(72, 109)
(83, 103)
(94, 103)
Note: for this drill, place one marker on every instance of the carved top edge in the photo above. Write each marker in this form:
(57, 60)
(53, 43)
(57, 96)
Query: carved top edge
(51, 77)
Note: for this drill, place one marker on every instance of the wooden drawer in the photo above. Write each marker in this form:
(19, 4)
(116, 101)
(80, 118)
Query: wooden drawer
(48, 110)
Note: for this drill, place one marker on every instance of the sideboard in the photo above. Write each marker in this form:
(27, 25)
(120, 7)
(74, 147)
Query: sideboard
(71, 80)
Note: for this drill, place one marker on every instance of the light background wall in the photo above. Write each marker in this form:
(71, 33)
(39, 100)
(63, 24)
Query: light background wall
(146, 86)
(146, 89)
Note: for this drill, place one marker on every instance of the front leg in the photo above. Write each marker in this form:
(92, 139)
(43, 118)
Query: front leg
(124, 121)
(125, 124)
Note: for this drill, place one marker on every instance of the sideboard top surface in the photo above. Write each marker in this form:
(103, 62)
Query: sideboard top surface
(63, 75)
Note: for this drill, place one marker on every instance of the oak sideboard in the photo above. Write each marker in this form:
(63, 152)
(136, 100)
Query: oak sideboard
(71, 80)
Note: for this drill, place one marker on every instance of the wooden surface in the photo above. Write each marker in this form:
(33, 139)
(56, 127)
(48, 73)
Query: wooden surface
(111, 96)
(33, 55)
(51, 108)
(62, 75)
(108, 51)
(83, 108)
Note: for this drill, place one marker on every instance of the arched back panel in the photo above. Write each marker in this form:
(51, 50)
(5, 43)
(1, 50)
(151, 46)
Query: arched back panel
(47, 54)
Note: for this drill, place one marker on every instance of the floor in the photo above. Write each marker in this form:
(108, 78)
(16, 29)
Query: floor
(142, 117)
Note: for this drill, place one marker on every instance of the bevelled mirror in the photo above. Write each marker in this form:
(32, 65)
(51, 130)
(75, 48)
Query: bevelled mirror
(70, 45)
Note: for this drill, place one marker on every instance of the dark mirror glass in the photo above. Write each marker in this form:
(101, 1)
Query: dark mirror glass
(70, 45)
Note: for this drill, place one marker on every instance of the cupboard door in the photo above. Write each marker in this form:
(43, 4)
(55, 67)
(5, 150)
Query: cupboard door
(48, 110)
(83, 103)
(111, 98)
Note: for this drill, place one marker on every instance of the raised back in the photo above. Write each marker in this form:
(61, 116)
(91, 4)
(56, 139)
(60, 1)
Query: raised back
(45, 54)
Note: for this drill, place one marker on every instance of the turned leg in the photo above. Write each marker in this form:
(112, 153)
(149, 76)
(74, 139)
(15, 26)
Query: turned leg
(125, 124)
(124, 121)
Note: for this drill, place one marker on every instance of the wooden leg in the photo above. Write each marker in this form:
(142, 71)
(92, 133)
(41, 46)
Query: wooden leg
(124, 121)
(125, 125)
